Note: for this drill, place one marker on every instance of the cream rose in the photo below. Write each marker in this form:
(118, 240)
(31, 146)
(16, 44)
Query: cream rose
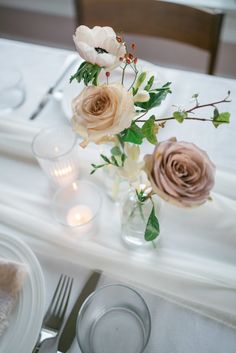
(180, 172)
(100, 111)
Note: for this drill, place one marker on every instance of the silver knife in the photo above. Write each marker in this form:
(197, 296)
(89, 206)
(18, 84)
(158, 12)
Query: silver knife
(66, 67)
(69, 331)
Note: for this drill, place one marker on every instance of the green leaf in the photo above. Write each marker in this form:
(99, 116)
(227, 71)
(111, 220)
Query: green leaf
(133, 134)
(216, 113)
(116, 151)
(149, 130)
(105, 158)
(220, 118)
(134, 91)
(149, 84)
(123, 158)
(87, 72)
(153, 228)
(140, 79)
(141, 195)
(114, 161)
(195, 96)
(156, 97)
(96, 167)
(180, 115)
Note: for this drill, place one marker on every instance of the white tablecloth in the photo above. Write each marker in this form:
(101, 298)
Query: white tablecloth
(195, 265)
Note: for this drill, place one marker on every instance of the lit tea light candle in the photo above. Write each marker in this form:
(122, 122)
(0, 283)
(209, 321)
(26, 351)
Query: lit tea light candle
(79, 215)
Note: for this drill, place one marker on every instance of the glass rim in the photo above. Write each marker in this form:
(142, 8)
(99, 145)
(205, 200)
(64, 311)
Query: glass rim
(97, 292)
(45, 129)
(95, 214)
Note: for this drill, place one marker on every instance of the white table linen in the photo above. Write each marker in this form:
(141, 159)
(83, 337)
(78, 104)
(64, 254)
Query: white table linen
(195, 265)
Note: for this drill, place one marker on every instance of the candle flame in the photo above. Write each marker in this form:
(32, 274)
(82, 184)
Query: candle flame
(74, 185)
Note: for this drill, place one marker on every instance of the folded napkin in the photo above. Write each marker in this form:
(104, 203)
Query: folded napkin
(12, 276)
(16, 137)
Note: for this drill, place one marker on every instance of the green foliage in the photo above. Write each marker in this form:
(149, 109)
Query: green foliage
(220, 118)
(88, 73)
(116, 151)
(117, 159)
(156, 97)
(141, 195)
(149, 130)
(152, 230)
(180, 115)
(149, 84)
(140, 79)
(133, 134)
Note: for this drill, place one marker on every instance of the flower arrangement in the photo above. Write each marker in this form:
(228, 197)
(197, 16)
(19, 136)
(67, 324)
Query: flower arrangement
(179, 172)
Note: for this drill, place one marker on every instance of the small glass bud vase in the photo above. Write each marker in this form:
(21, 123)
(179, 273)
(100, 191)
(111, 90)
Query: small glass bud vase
(116, 186)
(135, 216)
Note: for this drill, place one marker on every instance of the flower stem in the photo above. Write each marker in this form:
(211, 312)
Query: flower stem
(213, 104)
(172, 118)
(135, 76)
(123, 74)
(138, 119)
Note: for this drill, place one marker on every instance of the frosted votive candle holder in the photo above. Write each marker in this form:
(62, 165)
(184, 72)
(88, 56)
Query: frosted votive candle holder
(77, 206)
(56, 151)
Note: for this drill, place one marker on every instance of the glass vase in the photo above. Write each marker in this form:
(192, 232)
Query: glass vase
(134, 219)
(116, 187)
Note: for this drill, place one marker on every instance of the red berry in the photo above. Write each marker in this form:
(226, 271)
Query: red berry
(135, 60)
(133, 46)
(131, 56)
(128, 61)
(108, 74)
(119, 39)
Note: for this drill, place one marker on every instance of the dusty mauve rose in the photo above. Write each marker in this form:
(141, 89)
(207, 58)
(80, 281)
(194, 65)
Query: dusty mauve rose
(100, 111)
(180, 173)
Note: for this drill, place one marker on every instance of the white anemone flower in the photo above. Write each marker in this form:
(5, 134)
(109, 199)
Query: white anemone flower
(99, 45)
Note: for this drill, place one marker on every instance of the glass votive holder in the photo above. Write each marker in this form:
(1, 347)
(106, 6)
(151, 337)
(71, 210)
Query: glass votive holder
(56, 151)
(12, 90)
(77, 206)
(114, 318)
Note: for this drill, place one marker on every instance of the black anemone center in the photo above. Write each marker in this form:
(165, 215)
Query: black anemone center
(101, 50)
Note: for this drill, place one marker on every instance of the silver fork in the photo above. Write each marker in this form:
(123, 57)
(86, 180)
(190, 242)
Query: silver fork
(54, 316)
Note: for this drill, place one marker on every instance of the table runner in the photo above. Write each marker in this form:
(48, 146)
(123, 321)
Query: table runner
(195, 264)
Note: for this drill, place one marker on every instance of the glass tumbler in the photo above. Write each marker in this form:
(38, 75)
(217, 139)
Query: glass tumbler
(12, 91)
(114, 318)
(56, 151)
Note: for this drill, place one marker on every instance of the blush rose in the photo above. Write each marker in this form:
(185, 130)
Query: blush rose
(180, 173)
(101, 111)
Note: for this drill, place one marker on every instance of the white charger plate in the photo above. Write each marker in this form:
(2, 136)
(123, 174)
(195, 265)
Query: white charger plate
(26, 319)
(71, 90)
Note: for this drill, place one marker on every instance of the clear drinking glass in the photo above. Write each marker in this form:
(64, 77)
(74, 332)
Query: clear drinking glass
(12, 92)
(56, 150)
(78, 205)
(114, 318)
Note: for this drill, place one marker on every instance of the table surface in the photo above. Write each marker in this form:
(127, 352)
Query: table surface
(191, 278)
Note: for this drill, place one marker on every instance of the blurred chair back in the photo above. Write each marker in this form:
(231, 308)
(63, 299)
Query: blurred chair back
(194, 26)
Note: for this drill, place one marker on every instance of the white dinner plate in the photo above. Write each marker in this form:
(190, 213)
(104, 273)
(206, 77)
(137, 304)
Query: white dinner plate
(26, 319)
(71, 90)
